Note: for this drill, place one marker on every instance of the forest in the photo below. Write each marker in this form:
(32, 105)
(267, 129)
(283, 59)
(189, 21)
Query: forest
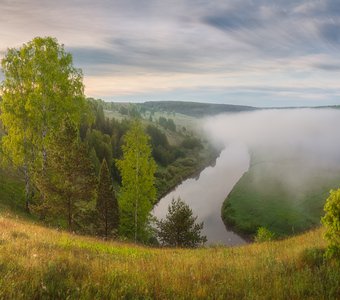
(84, 169)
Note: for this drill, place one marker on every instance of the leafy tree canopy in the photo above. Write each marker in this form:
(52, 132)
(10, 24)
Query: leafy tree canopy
(41, 86)
(331, 221)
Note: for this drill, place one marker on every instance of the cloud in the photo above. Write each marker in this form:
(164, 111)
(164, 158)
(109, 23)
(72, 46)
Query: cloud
(188, 44)
(85, 56)
(328, 67)
(331, 32)
(235, 19)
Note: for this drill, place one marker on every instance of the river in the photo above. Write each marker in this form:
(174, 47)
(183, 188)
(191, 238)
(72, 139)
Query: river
(205, 194)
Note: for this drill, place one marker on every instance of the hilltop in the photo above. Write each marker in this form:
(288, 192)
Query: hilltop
(194, 109)
(36, 262)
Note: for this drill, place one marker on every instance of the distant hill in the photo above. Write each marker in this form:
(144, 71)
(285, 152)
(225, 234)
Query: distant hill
(194, 109)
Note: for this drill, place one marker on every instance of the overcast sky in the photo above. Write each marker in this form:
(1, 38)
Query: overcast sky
(260, 53)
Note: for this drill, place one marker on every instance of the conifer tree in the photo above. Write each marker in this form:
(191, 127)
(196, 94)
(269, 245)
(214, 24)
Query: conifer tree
(69, 176)
(179, 229)
(107, 205)
(138, 192)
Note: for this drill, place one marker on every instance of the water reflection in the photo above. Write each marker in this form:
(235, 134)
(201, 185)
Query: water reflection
(206, 194)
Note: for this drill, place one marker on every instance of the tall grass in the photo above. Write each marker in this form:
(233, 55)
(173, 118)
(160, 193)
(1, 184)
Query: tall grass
(41, 263)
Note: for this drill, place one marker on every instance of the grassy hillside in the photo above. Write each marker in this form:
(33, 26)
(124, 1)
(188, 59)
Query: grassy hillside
(279, 196)
(40, 263)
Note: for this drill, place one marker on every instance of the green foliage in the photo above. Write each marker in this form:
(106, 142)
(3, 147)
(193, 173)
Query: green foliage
(162, 152)
(313, 257)
(94, 159)
(68, 179)
(107, 205)
(11, 192)
(191, 143)
(101, 143)
(157, 136)
(331, 221)
(40, 87)
(263, 197)
(194, 109)
(179, 229)
(264, 235)
(167, 123)
(138, 192)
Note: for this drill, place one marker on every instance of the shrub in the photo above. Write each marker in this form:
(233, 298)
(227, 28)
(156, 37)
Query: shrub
(312, 257)
(331, 221)
(264, 235)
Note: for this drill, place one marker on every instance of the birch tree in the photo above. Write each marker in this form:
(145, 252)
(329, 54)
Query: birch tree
(41, 86)
(138, 192)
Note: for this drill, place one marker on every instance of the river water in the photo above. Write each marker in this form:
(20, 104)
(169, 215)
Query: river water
(205, 194)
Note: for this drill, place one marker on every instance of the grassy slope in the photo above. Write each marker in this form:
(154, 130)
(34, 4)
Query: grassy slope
(263, 198)
(36, 262)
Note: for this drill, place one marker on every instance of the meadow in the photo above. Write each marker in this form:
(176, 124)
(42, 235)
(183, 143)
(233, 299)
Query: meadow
(285, 204)
(42, 263)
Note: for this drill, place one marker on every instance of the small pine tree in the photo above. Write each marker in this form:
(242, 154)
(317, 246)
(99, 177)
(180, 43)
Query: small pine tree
(179, 229)
(107, 205)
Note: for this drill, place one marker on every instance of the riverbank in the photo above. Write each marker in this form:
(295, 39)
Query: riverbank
(167, 179)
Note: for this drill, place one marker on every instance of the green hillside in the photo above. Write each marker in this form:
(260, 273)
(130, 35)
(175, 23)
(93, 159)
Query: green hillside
(280, 196)
(194, 109)
(40, 263)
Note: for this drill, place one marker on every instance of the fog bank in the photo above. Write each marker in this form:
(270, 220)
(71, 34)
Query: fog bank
(311, 135)
(297, 147)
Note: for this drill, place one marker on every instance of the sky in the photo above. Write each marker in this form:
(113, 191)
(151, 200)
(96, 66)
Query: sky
(259, 53)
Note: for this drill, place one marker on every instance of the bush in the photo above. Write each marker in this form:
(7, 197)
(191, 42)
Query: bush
(312, 257)
(331, 221)
(264, 235)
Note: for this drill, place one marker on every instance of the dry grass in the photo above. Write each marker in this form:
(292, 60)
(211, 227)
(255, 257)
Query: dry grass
(41, 263)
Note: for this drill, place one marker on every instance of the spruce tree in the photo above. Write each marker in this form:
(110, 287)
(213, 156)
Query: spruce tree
(69, 179)
(179, 229)
(107, 205)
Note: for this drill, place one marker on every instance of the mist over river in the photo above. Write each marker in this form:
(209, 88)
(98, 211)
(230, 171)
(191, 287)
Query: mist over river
(302, 147)
(206, 193)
